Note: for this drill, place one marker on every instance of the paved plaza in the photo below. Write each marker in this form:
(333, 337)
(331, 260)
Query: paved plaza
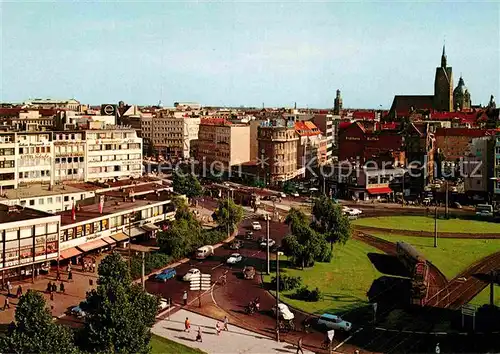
(236, 340)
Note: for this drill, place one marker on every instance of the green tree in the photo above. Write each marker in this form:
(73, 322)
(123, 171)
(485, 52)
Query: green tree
(34, 330)
(331, 221)
(228, 215)
(304, 245)
(193, 186)
(180, 238)
(289, 188)
(119, 314)
(179, 182)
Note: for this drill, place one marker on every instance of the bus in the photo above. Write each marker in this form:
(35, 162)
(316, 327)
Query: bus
(484, 210)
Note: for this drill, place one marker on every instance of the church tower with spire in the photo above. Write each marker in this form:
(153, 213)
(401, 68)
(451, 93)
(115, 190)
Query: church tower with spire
(443, 86)
(337, 104)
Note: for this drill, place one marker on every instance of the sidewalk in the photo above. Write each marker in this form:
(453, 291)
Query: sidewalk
(75, 290)
(236, 340)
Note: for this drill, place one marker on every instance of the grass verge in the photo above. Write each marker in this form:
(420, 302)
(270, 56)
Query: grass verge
(452, 255)
(162, 345)
(423, 223)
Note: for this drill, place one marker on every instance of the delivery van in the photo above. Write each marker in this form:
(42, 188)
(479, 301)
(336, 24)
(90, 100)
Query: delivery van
(204, 252)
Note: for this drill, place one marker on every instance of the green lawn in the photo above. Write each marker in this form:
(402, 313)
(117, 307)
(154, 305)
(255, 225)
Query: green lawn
(452, 254)
(165, 346)
(343, 282)
(422, 223)
(484, 297)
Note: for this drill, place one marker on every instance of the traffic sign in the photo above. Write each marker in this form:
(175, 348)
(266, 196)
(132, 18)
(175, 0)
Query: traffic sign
(469, 310)
(331, 333)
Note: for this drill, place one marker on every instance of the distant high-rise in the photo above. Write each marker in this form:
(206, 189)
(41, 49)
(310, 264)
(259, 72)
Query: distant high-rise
(443, 86)
(337, 103)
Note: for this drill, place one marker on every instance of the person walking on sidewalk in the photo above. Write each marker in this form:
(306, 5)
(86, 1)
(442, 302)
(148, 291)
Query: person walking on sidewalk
(61, 287)
(9, 288)
(19, 292)
(70, 275)
(299, 346)
(218, 328)
(187, 325)
(198, 335)
(226, 323)
(6, 304)
(185, 297)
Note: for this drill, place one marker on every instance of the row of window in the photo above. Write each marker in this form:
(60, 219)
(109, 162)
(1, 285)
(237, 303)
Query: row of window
(34, 150)
(111, 135)
(34, 174)
(107, 147)
(49, 200)
(106, 169)
(7, 164)
(69, 136)
(7, 152)
(122, 157)
(69, 159)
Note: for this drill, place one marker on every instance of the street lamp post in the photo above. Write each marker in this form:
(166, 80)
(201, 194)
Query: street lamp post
(277, 295)
(435, 227)
(130, 241)
(268, 261)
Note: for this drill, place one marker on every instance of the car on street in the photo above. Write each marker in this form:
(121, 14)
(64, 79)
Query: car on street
(295, 194)
(249, 235)
(167, 274)
(248, 272)
(77, 312)
(256, 225)
(234, 258)
(236, 245)
(282, 195)
(163, 305)
(263, 244)
(283, 311)
(190, 274)
(330, 321)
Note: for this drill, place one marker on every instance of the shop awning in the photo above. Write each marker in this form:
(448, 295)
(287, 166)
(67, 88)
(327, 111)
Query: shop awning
(89, 246)
(135, 231)
(379, 190)
(68, 253)
(150, 227)
(119, 237)
(109, 240)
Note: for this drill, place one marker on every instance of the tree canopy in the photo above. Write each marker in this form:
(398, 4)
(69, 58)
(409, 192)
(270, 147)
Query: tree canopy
(119, 314)
(186, 184)
(228, 214)
(331, 221)
(34, 331)
(304, 245)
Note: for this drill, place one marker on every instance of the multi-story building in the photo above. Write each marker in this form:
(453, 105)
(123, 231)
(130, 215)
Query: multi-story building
(328, 125)
(113, 154)
(312, 146)
(70, 104)
(84, 155)
(170, 133)
(475, 166)
(29, 240)
(278, 145)
(223, 144)
(496, 170)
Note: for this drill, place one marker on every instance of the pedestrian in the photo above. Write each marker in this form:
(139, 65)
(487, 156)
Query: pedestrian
(187, 325)
(83, 265)
(218, 328)
(58, 276)
(198, 335)
(68, 269)
(51, 296)
(6, 303)
(299, 346)
(19, 291)
(226, 323)
(61, 287)
(70, 275)
(54, 288)
(185, 297)
(93, 266)
(49, 287)
(9, 287)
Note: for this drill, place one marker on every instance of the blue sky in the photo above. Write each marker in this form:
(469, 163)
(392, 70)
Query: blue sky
(275, 53)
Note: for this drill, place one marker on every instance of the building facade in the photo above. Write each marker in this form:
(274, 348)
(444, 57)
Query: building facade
(443, 86)
(278, 147)
(328, 126)
(56, 157)
(476, 171)
(29, 240)
(223, 144)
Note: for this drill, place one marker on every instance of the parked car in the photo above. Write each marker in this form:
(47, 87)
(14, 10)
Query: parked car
(248, 272)
(249, 235)
(282, 195)
(295, 194)
(163, 305)
(263, 244)
(236, 245)
(330, 321)
(167, 274)
(256, 225)
(234, 258)
(457, 205)
(190, 273)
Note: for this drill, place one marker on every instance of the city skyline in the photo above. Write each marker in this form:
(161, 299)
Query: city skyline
(245, 53)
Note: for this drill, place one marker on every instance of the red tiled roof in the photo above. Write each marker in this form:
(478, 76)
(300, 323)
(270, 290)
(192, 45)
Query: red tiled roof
(214, 121)
(363, 115)
(343, 125)
(464, 132)
(306, 128)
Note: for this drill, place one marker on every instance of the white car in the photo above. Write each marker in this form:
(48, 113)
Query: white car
(263, 244)
(234, 258)
(296, 195)
(334, 322)
(256, 225)
(190, 273)
(282, 195)
(353, 212)
(284, 312)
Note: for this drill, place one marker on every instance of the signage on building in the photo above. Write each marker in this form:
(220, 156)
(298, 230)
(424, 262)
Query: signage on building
(94, 236)
(108, 110)
(352, 138)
